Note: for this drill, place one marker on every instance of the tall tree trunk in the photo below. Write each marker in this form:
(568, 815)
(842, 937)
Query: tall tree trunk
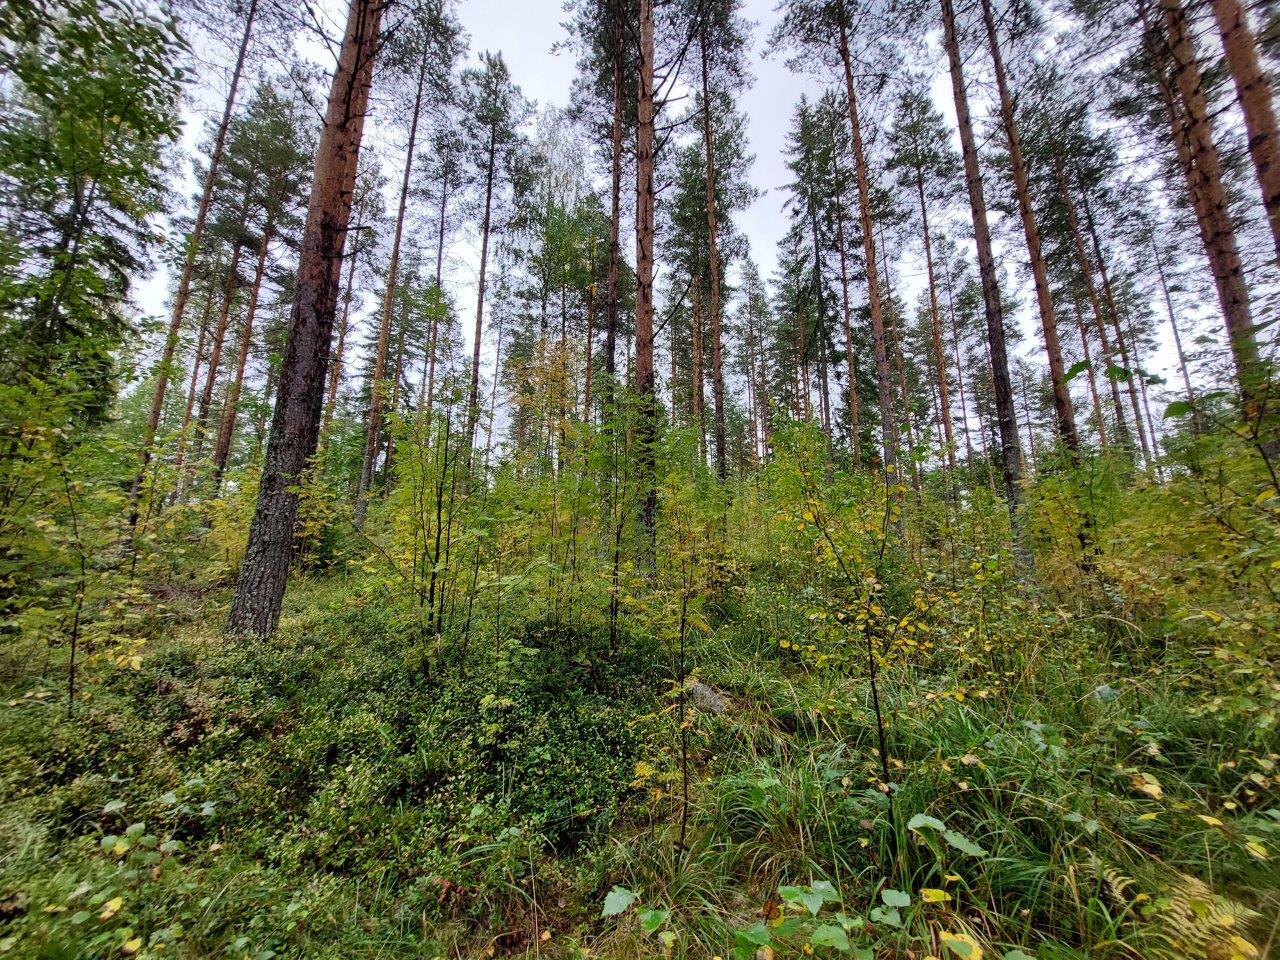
(188, 268)
(189, 410)
(335, 370)
(888, 416)
(1122, 344)
(1177, 340)
(231, 404)
(295, 424)
(1254, 93)
(851, 362)
(1026, 416)
(428, 397)
(1192, 132)
(1099, 421)
(1085, 265)
(647, 426)
(473, 397)
(1062, 406)
(1010, 450)
(891, 315)
(615, 203)
(935, 324)
(713, 265)
(373, 427)
(698, 376)
(591, 322)
(215, 362)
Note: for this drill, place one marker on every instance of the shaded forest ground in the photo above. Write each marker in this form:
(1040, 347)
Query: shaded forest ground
(1080, 760)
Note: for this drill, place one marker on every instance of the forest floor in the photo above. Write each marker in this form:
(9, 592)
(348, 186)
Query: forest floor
(335, 792)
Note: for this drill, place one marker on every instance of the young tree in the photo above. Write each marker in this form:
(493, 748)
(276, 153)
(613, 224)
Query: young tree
(192, 250)
(423, 52)
(493, 109)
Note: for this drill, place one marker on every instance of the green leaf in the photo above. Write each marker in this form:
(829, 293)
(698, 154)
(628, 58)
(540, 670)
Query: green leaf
(113, 806)
(963, 843)
(825, 888)
(895, 898)
(922, 820)
(1016, 954)
(812, 901)
(886, 915)
(1179, 408)
(757, 933)
(788, 926)
(651, 920)
(830, 935)
(1116, 373)
(618, 900)
(1076, 370)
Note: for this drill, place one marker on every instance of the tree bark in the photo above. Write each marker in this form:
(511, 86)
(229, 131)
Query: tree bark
(1192, 132)
(851, 362)
(1122, 342)
(373, 427)
(215, 361)
(473, 397)
(647, 413)
(1062, 405)
(1006, 416)
(935, 323)
(1085, 265)
(1254, 94)
(188, 268)
(295, 424)
(888, 416)
(713, 268)
(615, 202)
(1099, 421)
(1177, 340)
(231, 404)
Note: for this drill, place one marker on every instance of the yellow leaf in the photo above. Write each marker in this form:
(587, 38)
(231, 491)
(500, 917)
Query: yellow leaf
(1242, 949)
(1149, 816)
(1146, 783)
(962, 945)
(1211, 821)
(1256, 849)
(111, 908)
(930, 895)
(130, 947)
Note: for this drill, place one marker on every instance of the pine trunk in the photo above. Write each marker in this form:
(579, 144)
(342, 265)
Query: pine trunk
(231, 404)
(1254, 94)
(884, 380)
(473, 397)
(1011, 452)
(1192, 132)
(647, 427)
(295, 424)
(1062, 406)
(188, 268)
(713, 270)
(373, 427)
